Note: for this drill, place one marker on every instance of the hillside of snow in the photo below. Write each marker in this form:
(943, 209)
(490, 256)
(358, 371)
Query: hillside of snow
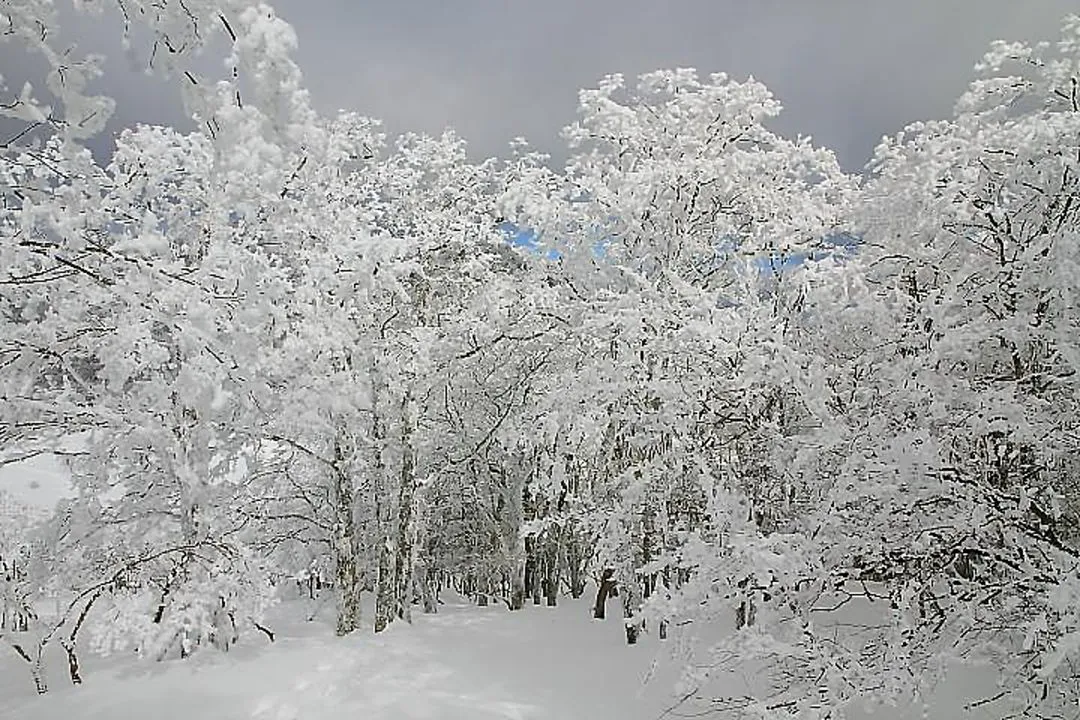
(464, 663)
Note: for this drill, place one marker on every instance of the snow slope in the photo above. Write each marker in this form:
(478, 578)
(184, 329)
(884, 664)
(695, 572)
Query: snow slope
(466, 662)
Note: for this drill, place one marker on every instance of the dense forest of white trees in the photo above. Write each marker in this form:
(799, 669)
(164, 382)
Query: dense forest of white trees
(724, 380)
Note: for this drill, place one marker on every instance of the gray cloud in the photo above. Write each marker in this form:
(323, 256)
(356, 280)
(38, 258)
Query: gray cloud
(847, 71)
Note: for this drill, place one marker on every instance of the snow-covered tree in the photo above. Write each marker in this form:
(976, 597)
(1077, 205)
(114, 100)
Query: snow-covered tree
(699, 364)
(971, 230)
(677, 216)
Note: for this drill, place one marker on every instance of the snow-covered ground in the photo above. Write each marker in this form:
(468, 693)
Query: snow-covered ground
(38, 483)
(466, 662)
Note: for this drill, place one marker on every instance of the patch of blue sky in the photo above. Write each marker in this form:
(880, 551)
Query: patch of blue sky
(838, 245)
(527, 239)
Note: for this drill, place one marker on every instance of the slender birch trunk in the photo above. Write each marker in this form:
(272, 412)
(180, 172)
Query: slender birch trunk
(347, 572)
(403, 555)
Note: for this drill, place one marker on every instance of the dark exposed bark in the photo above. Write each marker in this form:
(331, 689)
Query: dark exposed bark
(73, 663)
(21, 652)
(69, 643)
(551, 591)
(264, 630)
(603, 590)
(35, 667)
(631, 602)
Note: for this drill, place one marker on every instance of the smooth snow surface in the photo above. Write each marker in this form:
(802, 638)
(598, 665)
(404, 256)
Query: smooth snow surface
(464, 663)
(37, 483)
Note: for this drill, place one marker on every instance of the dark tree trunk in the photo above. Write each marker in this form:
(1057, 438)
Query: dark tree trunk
(531, 573)
(517, 591)
(35, 666)
(603, 590)
(73, 663)
(73, 637)
(551, 591)
(665, 583)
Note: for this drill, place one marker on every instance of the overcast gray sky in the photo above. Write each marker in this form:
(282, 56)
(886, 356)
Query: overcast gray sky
(847, 71)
